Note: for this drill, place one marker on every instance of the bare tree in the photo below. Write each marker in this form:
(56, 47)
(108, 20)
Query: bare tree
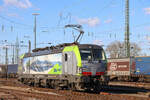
(116, 49)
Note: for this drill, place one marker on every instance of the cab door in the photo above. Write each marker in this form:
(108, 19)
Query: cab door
(69, 64)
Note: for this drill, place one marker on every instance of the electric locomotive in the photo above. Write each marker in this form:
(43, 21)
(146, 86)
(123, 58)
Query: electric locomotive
(71, 65)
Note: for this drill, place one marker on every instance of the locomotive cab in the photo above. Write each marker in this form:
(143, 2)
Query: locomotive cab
(93, 60)
(87, 64)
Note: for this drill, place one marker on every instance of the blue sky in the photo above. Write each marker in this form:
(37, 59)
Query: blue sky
(102, 20)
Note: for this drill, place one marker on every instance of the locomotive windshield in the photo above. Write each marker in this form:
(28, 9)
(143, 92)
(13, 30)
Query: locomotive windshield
(93, 54)
(85, 54)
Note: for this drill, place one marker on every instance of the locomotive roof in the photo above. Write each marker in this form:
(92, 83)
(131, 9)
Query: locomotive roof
(89, 46)
(59, 48)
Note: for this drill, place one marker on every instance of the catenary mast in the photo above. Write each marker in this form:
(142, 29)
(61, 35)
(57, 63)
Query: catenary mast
(127, 32)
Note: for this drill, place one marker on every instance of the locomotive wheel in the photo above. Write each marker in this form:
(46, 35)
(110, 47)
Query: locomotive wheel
(36, 83)
(58, 87)
(55, 85)
(97, 88)
(73, 86)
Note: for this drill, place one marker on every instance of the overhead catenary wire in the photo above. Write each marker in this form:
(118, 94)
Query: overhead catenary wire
(13, 26)
(13, 22)
(69, 15)
(122, 28)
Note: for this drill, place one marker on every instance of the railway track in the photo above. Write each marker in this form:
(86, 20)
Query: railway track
(13, 90)
(28, 94)
(38, 94)
(131, 84)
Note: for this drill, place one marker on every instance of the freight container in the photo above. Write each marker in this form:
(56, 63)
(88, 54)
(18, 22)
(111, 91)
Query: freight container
(135, 69)
(120, 67)
(2, 70)
(8, 70)
(142, 65)
(12, 68)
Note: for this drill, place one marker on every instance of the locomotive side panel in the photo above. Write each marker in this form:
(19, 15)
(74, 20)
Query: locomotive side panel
(45, 64)
(71, 60)
(69, 63)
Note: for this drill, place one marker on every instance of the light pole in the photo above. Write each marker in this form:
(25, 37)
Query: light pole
(35, 14)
